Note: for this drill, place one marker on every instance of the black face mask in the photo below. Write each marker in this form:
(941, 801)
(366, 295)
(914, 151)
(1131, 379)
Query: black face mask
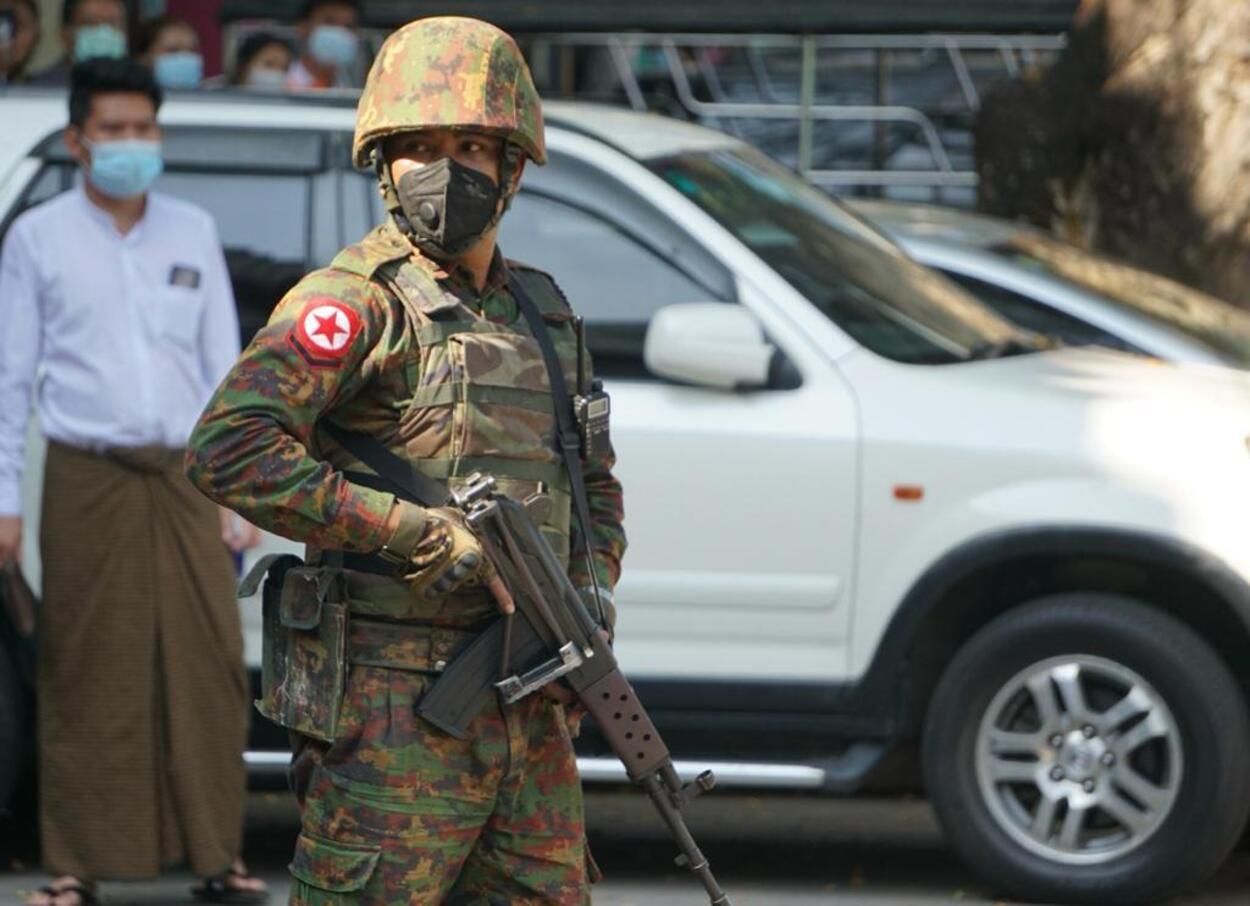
(448, 206)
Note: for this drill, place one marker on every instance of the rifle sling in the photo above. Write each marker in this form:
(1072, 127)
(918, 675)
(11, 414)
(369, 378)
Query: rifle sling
(396, 475)
(568, 441)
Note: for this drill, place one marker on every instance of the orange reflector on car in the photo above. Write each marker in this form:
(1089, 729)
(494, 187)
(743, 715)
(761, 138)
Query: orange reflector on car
(908, 492)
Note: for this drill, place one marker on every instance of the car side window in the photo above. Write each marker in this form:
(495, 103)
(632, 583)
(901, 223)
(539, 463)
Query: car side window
(611, 280)
(260, 186)
(617, 259)
(51, 181)
(1038, 316)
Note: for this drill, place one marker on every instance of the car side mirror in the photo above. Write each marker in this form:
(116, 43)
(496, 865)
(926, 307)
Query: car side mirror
(711, 344)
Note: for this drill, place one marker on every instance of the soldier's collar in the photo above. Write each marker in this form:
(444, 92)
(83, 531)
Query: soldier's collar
(460, 277)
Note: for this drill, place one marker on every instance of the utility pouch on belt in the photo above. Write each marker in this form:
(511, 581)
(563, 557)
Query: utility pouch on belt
(304, 662)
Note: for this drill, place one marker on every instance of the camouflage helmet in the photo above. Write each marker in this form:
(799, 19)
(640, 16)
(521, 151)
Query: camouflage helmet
(450, 72)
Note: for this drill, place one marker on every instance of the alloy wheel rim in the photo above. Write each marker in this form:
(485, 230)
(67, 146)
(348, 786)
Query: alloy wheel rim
(1079, 759)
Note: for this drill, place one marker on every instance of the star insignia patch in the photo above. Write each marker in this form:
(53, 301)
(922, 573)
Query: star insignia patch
(325, 330)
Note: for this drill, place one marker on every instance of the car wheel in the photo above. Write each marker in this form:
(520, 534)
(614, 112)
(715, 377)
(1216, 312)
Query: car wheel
(1086, 748)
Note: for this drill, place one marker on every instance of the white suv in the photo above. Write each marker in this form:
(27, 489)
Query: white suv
(876, 533)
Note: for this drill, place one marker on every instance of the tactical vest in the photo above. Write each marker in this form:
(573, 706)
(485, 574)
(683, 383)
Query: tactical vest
(479, 401)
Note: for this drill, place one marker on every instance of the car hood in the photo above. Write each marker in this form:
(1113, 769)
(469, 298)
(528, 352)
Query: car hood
(1090, 408)
(1090, 374)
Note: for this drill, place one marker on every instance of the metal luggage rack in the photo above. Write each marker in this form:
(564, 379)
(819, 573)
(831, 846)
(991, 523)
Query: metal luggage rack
(904, 105)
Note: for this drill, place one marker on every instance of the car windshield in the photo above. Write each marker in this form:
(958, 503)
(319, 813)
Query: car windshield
(855, 276)
(1216, 324)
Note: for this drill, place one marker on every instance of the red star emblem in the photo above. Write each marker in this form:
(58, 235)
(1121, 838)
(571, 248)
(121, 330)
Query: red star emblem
(325, 331)
(328, 327)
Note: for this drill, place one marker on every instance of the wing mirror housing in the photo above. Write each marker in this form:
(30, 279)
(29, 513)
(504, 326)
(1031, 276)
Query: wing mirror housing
(709, 344)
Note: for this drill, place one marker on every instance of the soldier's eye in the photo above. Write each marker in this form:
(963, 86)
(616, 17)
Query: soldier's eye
(414, 146)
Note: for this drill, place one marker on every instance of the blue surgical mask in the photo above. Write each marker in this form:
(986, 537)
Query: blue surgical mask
(333, 45)
(180, 69)
(98, 41)
(125, 168)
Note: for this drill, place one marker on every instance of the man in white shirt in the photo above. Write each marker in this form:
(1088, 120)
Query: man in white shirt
(116, 312)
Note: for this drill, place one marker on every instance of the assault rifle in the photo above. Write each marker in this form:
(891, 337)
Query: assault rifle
(552, 637)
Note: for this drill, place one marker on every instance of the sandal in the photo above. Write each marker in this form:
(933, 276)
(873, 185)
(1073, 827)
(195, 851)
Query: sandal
(217, 890)
(86, 896)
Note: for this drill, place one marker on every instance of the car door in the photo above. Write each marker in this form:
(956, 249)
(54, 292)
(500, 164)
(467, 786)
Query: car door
(740, 506)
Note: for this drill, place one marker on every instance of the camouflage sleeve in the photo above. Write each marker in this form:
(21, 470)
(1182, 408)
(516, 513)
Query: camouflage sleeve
(250, 450)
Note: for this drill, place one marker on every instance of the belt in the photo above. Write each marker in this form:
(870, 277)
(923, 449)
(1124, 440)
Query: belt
(365, 563)
(416, 647)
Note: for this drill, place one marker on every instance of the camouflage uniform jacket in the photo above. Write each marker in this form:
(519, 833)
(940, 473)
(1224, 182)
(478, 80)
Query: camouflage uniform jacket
(386, 343)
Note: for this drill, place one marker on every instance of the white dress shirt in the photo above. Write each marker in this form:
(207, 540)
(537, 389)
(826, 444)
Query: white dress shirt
(123, 338)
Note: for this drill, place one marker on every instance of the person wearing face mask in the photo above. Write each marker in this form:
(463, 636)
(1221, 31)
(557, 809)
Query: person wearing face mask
(170, 46)
(329, 45)
(262, 62)
(118, 299)
(19, 34)
(89, 28)
(423, 339)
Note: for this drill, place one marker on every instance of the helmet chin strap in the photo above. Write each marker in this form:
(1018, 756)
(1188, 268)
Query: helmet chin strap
(509, 162)
(390, 195)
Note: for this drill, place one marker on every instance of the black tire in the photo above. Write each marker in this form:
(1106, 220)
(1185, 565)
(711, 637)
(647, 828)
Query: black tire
(1210, 806)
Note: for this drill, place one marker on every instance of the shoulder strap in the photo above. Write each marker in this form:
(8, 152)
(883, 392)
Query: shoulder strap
(568, 441)
(402, 480)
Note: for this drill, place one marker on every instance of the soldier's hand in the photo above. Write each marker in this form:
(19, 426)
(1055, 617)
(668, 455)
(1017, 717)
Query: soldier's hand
(449, 556)
(558, 691)
(574, 711)
(10, 538)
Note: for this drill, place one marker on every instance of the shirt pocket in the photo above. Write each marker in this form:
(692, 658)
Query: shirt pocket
(179, 310)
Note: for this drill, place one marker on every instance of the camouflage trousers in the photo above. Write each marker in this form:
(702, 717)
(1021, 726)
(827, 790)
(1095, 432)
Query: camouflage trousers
(396, 812)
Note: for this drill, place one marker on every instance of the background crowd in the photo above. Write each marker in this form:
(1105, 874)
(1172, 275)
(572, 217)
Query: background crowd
(321, 51)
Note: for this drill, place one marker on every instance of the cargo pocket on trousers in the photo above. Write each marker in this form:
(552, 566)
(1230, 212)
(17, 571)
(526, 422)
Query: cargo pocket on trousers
(332, 866)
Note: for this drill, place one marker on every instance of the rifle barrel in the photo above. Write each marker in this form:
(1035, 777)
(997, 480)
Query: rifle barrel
(664, 788)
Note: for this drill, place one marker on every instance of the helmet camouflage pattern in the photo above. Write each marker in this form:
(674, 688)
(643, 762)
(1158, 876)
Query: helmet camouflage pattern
(450, 72)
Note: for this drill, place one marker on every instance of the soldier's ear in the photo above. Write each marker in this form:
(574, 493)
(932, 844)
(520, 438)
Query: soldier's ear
(516, 175)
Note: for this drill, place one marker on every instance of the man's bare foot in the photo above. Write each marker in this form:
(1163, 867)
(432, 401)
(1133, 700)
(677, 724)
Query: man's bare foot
(64, 891)
(238, 878)
(234, 885)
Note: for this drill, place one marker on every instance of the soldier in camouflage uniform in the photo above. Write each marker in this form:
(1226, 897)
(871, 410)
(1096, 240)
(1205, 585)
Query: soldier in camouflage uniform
(413, 337)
